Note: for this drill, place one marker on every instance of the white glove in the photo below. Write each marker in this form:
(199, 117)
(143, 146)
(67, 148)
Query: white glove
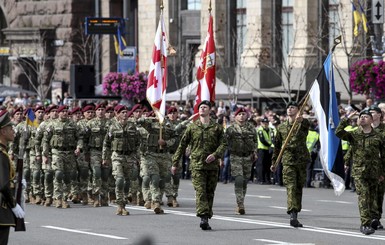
(18, 212)
(23, 184)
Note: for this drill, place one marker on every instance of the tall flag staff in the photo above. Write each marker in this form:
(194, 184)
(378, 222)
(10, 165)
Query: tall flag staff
(206, 69)
(157, 78)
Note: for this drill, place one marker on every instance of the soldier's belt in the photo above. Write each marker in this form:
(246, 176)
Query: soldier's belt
(123, 152)
(246, 154)
(64, 148)
(157, 150)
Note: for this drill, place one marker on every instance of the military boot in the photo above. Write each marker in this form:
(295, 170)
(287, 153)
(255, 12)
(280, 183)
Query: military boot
(125, 212)
(134, 200)
(140, 201)
(119, 210)
(147, 204)
(58, 203)
(204, 225)
(157, 208)
(65, 204)
(90, 197)
(240, 209)
(48, 202)
(366, 230)
(374, 224)
(169, 201)
(38, 200)
(104, 201)
(294, 221)
(112, 197)
(96, 201)
(75, 199)
(175, 203)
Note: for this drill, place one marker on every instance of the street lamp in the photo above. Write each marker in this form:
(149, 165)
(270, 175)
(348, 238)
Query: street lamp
(377, 52)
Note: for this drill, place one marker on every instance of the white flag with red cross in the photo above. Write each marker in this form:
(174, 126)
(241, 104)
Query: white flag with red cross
(206, 70)
(157, 78)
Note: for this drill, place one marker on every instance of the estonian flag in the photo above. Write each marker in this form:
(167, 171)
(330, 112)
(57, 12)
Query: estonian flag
(31, 119)
(324, 100)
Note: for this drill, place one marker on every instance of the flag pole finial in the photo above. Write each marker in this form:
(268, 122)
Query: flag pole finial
(161, 5)
(210, 6)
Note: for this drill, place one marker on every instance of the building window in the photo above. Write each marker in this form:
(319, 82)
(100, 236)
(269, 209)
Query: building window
(287, 27)
(334, 30)
(193, 4)
(241, 28)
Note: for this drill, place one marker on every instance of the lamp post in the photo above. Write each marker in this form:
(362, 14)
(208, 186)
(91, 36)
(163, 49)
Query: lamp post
(378, 39)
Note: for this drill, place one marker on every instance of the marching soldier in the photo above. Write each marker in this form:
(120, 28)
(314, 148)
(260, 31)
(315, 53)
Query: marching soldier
(206, 138)
(62, 139)
(119, 149)
(242, 141)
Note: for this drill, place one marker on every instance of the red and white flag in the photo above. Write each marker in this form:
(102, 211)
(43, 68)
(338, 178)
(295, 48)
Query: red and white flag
(157, 78)
(206, 70)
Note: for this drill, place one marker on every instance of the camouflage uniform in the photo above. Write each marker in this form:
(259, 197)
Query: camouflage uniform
(379, 199)
(367, 166)
(242, 142)
(61, 138)
(154, 161)
(120, 145)
(95, 134)
(204, 140)
(294, 161)
(36, 168)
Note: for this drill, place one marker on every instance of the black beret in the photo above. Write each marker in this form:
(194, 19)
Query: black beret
(365, 112)
(205, 102)
(375, 108)
(292, 103)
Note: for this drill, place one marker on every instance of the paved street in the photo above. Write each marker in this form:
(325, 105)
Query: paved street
(327, 219)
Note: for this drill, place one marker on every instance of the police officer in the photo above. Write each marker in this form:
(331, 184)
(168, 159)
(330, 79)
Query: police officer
(294, 159)
(207, 142)
(312, 143)
(242, 141)
(264, 156)
(119, 149)
(62, 139)
(368, 165)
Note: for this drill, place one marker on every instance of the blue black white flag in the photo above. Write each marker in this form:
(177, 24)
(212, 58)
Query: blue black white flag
(324, 100)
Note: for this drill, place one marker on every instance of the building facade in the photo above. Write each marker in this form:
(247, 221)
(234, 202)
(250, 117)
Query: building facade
(262, 46)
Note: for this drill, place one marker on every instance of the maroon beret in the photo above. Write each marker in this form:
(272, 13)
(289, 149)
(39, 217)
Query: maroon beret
(136, 107)
(109, 109)
(101, 105)
(172, 109)
(61, 108)
(240, 109)
(50, 108)
(120, 108)
(88, 108)
(38, 108)
(19, 109)
(75, 109)
(150, 114)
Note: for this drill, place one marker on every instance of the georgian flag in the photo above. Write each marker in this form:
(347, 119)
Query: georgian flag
(324, 100)
(157, 78)
(206, 69)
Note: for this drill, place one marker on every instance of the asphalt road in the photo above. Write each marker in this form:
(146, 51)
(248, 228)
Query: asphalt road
(327, 219)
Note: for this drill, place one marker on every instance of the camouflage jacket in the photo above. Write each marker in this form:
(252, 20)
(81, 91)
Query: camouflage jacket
(241, 139)
(62, 135)
(95, 132)
(39, 136)
(368, 151)
(203, 141)
(22, 138)
(123, 139)
(295, 152)
(179, 127)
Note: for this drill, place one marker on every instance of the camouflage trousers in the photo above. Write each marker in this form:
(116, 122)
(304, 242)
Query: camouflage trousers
(205, 183)
(367, 191)
(80, 177)
(36, 176)
(123, 170)
(63, 164)
(171, 187)
(100, 174)
(294, 178)
(155, 173)
(27, 171)
(379, 200)
(48, 175)
(241, 171)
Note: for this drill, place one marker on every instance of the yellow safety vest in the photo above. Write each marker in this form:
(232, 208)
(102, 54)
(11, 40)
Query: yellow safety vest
(311, 139)
(267, 137)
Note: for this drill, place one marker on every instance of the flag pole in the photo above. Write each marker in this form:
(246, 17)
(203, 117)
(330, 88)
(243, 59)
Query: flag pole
(293, 128)
(161, 124)
(210, 7)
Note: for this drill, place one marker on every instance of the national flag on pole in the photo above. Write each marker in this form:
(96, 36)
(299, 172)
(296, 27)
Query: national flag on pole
(356, 19)
(31, 119)
(206, 69)
(157, 78)
(363, 18)
(324, 100)
(119, 43)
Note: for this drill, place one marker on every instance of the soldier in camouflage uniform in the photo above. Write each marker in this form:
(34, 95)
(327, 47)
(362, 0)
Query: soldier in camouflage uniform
(154, 160)
(294, 160)
(51, 114)
(379, 127)
(368, 150)
(96, 130)
(62, 138)
(36, 168)
(206, 138)
(242, 141)
(119, 147)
